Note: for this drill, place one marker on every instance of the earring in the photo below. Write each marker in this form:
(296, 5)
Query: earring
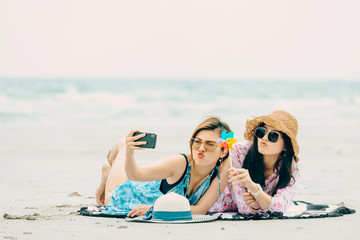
(220, 161)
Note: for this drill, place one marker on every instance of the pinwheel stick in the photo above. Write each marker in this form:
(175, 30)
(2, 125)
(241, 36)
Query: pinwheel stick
(227, 140)
(233, 185)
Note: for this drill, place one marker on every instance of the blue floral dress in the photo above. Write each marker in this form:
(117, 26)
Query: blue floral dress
(130, 194)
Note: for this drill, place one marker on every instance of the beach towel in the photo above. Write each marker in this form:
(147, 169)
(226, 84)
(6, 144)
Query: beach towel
(98, 211)
(299, 210)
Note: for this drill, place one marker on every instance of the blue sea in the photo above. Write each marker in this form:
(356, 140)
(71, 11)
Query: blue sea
(87, 115)
(56, 132)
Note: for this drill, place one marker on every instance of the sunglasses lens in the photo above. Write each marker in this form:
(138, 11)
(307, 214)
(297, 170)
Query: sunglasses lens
(273, 136)
(210, 146)
(260, 132)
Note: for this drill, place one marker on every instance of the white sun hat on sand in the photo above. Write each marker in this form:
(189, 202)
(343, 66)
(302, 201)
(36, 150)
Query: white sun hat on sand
(172, 208)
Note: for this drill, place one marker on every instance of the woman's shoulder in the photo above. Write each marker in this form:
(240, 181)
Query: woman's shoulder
(176, 164)
(181, 158)
(241, 147)
(239, 153)
(176, 161)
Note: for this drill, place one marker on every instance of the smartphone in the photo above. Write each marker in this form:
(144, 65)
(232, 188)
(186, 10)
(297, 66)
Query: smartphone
(150, 140)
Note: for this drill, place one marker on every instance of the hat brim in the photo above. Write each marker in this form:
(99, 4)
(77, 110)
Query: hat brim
(195, 219)
(268, 120)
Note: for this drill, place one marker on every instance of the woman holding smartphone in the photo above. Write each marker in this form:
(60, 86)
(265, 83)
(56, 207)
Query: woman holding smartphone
(200, 175)
(265, 173)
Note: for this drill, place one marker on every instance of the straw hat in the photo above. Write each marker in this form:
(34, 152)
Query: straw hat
(281, 121)
(172, 208)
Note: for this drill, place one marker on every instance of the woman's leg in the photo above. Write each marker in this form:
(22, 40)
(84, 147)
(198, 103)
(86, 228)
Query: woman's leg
(117, 174)
(100, 192)
(105, 170)
(113, 153)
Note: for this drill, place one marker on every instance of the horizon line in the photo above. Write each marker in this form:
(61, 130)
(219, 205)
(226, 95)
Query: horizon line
(52, 78)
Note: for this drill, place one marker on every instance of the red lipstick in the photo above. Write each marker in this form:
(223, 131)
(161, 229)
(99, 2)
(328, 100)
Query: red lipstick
(201, 155)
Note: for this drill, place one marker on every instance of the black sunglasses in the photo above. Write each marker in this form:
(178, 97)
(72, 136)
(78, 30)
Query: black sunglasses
(260, 132)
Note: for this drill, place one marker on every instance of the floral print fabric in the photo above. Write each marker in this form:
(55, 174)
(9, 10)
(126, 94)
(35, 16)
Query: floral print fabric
(232, 199)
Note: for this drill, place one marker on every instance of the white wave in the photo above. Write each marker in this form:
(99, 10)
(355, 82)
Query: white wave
(167, 103)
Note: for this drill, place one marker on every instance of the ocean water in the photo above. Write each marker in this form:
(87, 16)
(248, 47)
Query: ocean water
(55, 133)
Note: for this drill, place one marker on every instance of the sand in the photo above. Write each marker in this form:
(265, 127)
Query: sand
(53, 214)
(62, 222)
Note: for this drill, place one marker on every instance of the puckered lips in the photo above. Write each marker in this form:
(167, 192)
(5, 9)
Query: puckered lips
(200, 155)
(263, 143)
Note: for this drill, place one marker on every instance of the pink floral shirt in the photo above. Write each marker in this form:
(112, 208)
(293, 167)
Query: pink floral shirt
(232, 199)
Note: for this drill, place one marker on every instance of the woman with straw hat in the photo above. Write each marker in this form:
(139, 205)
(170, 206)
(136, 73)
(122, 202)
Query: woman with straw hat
(264, 173)
(200, 176)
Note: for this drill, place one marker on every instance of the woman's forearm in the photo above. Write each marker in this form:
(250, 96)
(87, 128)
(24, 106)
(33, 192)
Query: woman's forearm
(264, 200)
(197, 210)
(131, 168)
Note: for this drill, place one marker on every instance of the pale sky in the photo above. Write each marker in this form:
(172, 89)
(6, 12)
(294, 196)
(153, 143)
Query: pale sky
(305, 39)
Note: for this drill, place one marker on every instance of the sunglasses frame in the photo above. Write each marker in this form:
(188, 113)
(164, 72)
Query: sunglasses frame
(212, 149)
(273, 136)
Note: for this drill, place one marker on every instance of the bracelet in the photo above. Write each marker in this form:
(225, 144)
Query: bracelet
(256, 209)
(255, 194)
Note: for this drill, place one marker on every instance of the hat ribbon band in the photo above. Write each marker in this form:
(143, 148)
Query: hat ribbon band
(171, 216)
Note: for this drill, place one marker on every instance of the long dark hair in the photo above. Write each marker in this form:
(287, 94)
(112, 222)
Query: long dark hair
(254, 162)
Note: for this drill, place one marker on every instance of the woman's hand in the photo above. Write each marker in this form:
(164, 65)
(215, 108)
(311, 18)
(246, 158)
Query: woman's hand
(251, 202)
(242, 176)
(139, 210)
(131, 145)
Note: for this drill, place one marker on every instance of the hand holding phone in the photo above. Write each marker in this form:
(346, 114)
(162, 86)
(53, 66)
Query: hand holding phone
(150, 140)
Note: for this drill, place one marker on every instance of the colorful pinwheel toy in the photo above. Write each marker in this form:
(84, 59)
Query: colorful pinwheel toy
(227, 140)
